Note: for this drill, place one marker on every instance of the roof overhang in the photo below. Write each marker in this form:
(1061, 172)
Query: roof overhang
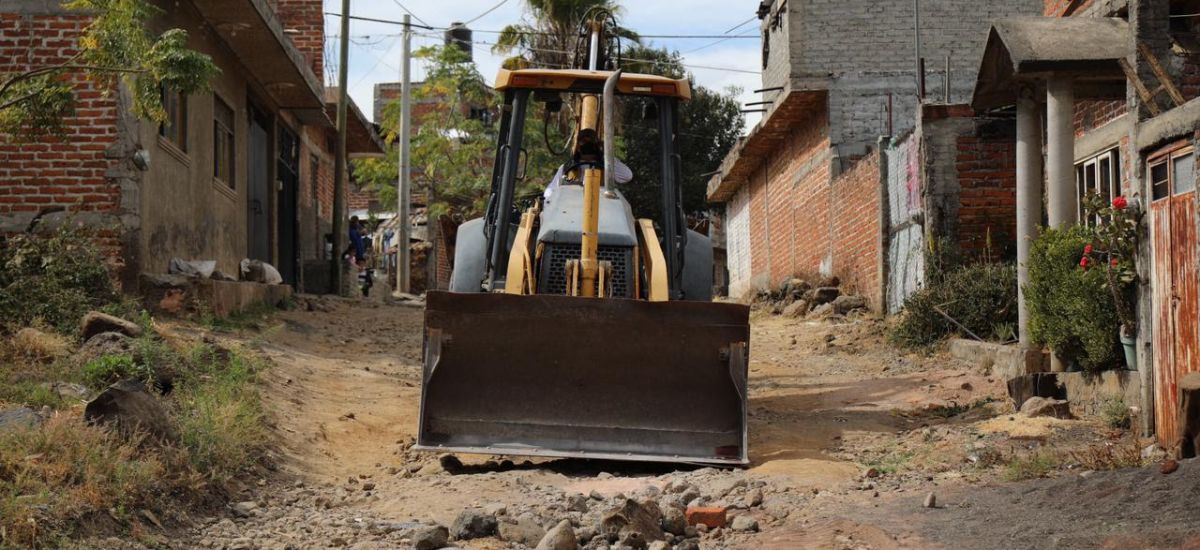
(592, 82)
(747, 155)
(1028, 49)
(256, 37)
(362, 139)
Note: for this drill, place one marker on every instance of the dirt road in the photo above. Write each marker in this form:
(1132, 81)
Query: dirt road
(830, 401)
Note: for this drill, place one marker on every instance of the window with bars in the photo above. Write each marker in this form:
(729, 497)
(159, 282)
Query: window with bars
(223, 143)
(1099, 174)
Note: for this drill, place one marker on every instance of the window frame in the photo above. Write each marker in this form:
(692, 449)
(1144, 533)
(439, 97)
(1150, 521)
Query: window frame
(174, 130)
(229, 148)
(1167, 158)
(1091, 165)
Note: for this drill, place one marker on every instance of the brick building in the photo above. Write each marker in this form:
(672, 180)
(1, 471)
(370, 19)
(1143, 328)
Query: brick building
(805, 191)
(243, 170)
(1107, 98)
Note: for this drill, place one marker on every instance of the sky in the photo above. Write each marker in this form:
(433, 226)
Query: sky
(376, 48)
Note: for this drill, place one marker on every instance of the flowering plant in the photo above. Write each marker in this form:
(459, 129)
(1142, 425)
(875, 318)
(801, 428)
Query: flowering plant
(1113, 229)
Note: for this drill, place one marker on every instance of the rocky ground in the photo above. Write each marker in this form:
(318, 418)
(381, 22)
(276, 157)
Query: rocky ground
(854, 446)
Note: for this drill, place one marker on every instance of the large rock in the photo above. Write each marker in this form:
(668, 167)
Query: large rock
(1041, 406)
(1040, 384)
(430, 538)
(21, 417)
(561, 537)
(127, 406)
(744, 523)
(674, 519)
(824, 295)
(795, 288)
(644, 519)
(521, 531)
(473, 524)
(95, 323)
(796, 310)
(845, 304)
(105, 343)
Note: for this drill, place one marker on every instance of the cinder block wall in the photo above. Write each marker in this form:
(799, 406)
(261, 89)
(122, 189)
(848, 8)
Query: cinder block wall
(863, 51)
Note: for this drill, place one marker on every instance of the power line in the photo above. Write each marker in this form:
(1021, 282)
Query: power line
(387, 21)
(484, 14)
(408, 11)
(715, 42)
(539, 33)
(742, 24)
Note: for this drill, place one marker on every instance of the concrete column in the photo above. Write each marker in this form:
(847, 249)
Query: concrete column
(1029, 196)
(1062, 207)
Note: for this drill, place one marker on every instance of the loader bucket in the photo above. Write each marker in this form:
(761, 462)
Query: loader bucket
(561, 376)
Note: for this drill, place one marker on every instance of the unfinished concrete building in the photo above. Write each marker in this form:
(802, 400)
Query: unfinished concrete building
(803, 192)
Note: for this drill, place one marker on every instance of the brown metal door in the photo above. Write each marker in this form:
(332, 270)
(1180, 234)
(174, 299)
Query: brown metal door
(1176, 293)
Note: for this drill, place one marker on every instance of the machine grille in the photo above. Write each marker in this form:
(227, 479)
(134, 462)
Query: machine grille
(553, 276)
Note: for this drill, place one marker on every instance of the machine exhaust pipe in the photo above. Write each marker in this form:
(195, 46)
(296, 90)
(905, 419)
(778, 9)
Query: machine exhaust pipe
(610, 131)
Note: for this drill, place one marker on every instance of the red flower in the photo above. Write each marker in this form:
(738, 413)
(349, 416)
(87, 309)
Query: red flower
(1120, 203)
(1087, 249)
(1083, 262)
(1114, 262)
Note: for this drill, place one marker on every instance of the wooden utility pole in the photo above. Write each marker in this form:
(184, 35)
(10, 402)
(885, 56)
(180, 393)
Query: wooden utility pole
(339, 165)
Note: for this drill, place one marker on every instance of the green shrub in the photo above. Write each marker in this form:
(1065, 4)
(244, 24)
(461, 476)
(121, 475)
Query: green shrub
(107, 369)
(1071, 308)
(981, 297)
(55, 277)
(219, 412)
(1116, 414)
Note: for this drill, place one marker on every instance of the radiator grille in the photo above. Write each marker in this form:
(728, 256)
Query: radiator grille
(553, 277)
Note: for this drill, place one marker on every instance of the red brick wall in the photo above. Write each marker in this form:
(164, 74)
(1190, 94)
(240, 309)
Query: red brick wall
(987, 176)
(68, 171)
(307, 18)
(1092, 114)
(857, 233)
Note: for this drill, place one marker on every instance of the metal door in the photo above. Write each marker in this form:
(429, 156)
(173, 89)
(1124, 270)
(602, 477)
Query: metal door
(259, 168)
(288, 200)
(1176, 332)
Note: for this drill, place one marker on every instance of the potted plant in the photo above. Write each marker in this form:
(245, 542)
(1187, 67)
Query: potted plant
(1113, 228)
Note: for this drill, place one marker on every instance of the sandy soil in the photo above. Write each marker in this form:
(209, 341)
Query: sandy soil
(829, 401)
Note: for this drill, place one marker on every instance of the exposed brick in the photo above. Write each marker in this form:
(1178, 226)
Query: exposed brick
(711, 516)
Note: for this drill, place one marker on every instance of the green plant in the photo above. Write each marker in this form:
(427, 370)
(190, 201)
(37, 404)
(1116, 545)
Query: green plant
(977, 298)
(1114, 230)
(106, 369)
(1070, 309)
(219, 412)
(1116, 414)
(55, 278)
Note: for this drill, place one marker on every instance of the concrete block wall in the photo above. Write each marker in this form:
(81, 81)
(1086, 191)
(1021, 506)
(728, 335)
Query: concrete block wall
(737, 242)
(865, 50)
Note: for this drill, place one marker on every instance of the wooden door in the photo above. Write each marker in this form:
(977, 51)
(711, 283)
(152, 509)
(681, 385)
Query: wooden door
(1176, 300)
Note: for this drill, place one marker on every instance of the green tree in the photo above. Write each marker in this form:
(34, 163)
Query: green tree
(452, 150)
(709, 126)
(550, 35)
(115, 48)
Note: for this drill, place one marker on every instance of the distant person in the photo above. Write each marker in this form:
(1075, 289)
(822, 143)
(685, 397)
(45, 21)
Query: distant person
(589, 151)
(358, 244)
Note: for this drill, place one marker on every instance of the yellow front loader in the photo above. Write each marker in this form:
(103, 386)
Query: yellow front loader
(573, 329)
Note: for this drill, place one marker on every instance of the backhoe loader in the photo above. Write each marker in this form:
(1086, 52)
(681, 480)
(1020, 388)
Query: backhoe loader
(573, 329)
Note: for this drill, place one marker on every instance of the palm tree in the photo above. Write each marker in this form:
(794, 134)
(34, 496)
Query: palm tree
(551, 34)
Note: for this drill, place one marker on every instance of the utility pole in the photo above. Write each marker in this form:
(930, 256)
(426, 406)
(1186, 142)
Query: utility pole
(339, 164)
(403, 251)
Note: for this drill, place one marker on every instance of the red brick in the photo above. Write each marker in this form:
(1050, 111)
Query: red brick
(712, 516)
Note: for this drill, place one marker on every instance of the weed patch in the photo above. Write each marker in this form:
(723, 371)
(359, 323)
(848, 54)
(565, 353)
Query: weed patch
(1031, 466)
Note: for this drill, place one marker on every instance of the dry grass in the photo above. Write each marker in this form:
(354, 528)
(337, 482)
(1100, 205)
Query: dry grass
(1110, 455)
(66, 471)
(34, 344)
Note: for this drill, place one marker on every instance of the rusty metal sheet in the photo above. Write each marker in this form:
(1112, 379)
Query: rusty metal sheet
(583, 377)
(1163, 332)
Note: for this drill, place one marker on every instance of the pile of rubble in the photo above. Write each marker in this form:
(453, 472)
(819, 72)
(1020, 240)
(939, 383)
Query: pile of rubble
(797, 298)
(670, 512)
